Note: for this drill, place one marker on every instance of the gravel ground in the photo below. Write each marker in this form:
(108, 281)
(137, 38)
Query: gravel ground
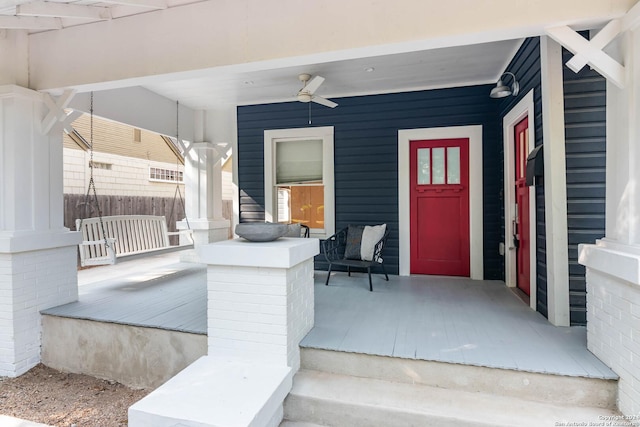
(59, 399)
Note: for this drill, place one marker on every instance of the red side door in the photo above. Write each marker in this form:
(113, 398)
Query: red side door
(522, 221)
(439, 179)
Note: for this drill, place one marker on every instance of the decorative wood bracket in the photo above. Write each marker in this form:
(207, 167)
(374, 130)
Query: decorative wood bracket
(56, 110)
(220, 149)
(599, 41)
(590, 52)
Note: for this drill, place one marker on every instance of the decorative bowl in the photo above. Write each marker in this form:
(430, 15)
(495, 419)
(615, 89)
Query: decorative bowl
(261, 231)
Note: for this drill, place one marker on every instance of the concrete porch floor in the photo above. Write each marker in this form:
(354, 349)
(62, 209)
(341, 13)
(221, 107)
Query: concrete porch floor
(454, 320)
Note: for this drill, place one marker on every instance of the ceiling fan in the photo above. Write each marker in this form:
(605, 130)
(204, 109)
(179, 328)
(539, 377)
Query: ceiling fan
(309, 88)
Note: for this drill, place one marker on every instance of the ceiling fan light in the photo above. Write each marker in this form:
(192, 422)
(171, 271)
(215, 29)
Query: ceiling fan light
(304, 97)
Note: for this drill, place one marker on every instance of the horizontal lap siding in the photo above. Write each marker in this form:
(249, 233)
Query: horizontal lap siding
(585, 145)
(366, 155)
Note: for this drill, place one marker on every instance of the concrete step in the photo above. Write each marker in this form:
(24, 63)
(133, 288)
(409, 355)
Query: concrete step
(538, 387)
(339, 400)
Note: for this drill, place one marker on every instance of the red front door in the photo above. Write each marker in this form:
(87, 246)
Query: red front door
(521, 223)
(439, 178)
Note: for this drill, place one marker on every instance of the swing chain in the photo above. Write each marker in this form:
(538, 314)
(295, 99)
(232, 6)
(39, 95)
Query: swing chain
(92, 184)
(178, 193)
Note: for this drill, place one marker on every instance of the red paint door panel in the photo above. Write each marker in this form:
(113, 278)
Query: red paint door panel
(439, 178)
(522, 221)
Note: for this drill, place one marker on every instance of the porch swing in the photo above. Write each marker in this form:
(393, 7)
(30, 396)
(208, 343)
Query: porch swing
(110, 239)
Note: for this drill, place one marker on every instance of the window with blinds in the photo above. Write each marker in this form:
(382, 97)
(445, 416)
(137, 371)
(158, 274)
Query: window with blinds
(299, 176)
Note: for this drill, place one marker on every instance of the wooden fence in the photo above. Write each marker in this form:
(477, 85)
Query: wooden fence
(74, 208)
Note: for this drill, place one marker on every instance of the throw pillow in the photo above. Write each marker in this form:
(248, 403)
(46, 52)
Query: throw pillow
(370, 236)
(354, 236)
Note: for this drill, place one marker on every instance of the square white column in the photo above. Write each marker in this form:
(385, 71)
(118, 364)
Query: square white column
(37, 253)
(260, 298)
(260, 305)
(203, 179)
(613, 263)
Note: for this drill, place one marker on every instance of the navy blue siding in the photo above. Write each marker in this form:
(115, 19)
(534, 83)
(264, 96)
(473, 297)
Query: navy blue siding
(585, 145)
(526, 66)
(585, 133)
(366, 155)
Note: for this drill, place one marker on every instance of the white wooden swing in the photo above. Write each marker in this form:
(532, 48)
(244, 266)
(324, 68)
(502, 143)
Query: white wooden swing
(116, 238)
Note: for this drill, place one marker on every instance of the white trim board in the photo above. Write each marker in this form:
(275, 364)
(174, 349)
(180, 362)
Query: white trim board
(474, 134)
(524, 108)
(555, 182)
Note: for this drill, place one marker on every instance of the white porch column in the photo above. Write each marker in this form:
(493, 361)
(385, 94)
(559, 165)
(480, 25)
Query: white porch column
(203, 177)
(555, 183)
(613, 263)
(261, 301)
(261, 304)
(37, 254)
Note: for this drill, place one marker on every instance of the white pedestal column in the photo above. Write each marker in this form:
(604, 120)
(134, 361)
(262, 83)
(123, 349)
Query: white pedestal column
(260, 305)
(260, 298)
(613, 263)
(203, 179)
(37, 254)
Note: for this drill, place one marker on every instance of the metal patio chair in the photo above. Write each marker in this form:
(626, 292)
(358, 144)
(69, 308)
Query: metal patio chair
(338, 251)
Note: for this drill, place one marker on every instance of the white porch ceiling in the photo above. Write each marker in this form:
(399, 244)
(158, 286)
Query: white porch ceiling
(210, 53)
(207, 89)
(429, 69)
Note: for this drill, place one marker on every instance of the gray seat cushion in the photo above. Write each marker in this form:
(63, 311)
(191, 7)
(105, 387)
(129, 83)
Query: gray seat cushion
(354, 240)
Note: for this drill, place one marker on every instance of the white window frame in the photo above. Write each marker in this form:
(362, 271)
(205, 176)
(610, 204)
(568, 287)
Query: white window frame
(178, 173)
(325, 133)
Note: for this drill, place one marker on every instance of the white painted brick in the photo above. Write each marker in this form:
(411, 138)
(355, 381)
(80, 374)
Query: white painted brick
(254, 279)
(271, 300)
(269, 319)
(278, 310)
(613, 332)
(255, 349)
(35, 280)
(250, 326)
(233, 306)
(252, 337)
(276, 304)
(242, 288)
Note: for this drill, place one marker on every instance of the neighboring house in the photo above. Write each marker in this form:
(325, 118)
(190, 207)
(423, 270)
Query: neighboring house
(127, 161)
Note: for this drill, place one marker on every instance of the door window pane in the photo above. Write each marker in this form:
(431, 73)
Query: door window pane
(453, 165)
(424, 166)
(437, 176)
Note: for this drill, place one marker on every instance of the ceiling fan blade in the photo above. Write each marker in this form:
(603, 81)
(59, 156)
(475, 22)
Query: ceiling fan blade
(313, 85)
(324, 101)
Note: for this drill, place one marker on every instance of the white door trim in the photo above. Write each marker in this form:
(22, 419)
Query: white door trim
(524, 108)
(474, 134)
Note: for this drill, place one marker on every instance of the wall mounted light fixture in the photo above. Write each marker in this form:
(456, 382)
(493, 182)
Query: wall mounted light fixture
(502, 91)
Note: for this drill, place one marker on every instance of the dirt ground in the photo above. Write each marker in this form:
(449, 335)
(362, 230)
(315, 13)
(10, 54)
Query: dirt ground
(51, 397)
